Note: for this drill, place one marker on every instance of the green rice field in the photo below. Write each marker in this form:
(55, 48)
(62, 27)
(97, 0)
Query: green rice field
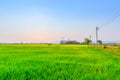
(58, 62)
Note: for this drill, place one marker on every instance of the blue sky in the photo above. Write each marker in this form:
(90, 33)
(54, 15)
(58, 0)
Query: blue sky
(50, 20)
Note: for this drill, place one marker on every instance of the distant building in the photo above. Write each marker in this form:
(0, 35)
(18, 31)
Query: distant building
(63, 41)
(69, 42)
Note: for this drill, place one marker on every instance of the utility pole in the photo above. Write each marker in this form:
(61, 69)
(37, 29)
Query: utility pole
(68, 39)
(62, 38)
(90, 37)
(97, 34)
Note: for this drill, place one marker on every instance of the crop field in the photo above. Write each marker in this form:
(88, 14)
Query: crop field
(58, 62)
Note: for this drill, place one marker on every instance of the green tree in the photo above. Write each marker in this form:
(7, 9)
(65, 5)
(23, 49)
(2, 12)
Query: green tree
(87, 41)
(99, 42)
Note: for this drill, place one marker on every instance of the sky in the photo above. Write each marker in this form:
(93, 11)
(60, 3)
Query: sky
(48, 21)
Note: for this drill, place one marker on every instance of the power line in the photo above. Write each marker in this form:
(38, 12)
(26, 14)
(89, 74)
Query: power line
(117, 14)
(107, 23)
